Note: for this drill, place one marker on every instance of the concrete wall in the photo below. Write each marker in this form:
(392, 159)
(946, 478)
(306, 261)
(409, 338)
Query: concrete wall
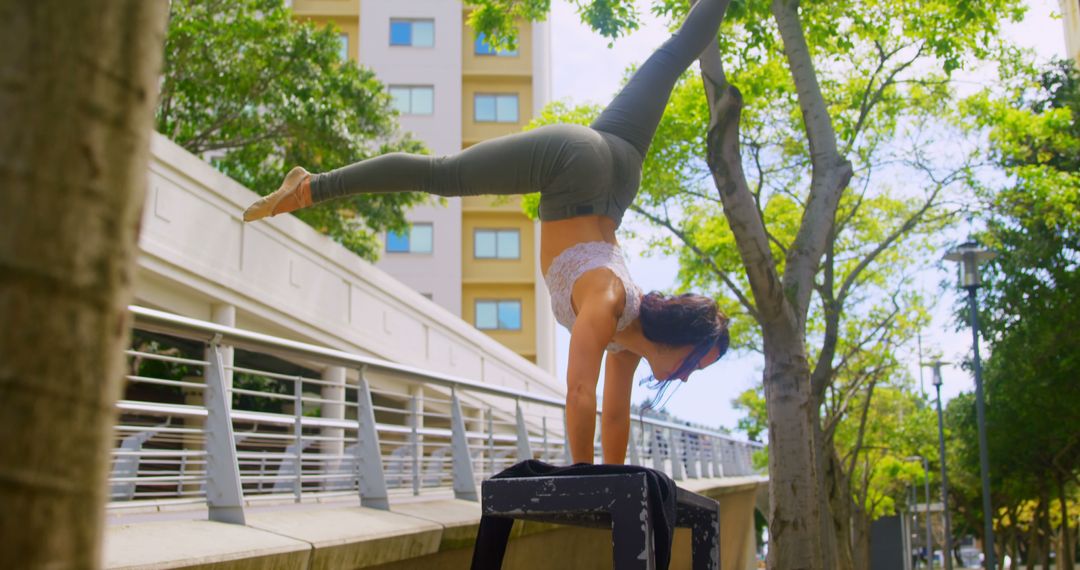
(284, 278)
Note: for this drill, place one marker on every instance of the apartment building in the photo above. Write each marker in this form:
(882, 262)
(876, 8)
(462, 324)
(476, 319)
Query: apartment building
(1070, 17)
(476, 256)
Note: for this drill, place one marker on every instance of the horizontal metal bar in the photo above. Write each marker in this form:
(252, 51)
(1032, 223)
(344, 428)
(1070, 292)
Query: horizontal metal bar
(158, 453)
(166, 358)
(159, 321)
(170, 409)
(152, 479)
(164, 382)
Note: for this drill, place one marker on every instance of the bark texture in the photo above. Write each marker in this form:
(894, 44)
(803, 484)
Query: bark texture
(78, 83)
(794, 512)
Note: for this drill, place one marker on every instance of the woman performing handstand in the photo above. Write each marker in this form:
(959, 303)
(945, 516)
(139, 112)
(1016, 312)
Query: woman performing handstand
(587, 178)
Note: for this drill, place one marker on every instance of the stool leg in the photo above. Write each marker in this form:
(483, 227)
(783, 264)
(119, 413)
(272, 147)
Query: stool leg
(491, 540)
(632, 538)
(705, 540)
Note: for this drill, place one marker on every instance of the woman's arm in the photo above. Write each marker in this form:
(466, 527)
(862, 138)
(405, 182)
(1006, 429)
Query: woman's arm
(597, 301)
(615, 419)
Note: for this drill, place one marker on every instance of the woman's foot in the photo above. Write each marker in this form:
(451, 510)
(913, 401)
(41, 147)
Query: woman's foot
(294, 193)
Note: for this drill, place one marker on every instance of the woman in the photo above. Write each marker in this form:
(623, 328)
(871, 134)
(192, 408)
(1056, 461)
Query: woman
(587, 177)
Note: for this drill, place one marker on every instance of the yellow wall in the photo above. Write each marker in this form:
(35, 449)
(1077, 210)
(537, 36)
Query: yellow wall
(326, 7)
(473, 132)
(519, 65)
(521, 341)
(497, 270)
(508, 204)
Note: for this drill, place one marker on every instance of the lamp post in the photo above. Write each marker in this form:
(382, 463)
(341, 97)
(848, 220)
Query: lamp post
(946, 551)
(969, 255)
(926, 483)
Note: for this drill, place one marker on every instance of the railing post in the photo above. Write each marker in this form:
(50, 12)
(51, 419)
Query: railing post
(690, 444)
(676, 457)
(717, 451)
(464, 479)
(414, 442)
(524, 450)
(731, 467)
(657, 457)
(566, 440)
(368, 451)
(224, 494)
(543, 426)
(708, 466)
(298, 435)
(635, 456)
(491, 441)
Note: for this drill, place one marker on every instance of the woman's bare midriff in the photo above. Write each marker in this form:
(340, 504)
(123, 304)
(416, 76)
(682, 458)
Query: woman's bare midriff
(556, 236)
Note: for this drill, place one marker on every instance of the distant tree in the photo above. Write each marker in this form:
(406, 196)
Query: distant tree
(1028, 301)
(255, 91)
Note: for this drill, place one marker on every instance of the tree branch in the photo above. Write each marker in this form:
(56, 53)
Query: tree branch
(831, 172)
(899, 232)
(725, 163)
(706, 258)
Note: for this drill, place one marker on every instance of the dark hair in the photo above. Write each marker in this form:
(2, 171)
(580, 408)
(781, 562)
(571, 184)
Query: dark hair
(681, 320)
(687, 319)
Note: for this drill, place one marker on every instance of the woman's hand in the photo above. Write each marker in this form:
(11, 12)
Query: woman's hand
(615, 419)
(598, 305)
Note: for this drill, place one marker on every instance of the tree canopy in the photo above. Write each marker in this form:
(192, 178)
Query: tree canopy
(256, 91)
(1032, 218)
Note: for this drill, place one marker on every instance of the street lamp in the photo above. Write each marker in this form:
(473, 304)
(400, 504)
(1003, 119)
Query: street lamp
(926, 483)
(947, 550)
(969, 255)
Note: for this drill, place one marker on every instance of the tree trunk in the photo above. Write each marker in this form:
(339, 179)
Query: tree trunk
(835, 497)
(1033, 540)
(1044, 528)
(840, 505)
(1065, 551)
(826, 483)
(78, 88)
(794, 509)
(795, 517)
(860, 537)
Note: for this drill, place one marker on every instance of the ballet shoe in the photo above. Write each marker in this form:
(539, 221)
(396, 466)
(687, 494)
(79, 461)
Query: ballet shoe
(292, 195)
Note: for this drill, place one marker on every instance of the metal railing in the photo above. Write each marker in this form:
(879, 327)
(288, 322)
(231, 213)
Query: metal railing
(226, 417)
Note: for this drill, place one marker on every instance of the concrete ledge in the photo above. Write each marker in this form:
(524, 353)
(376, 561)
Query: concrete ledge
(200, 544)
(459, 519)
(353, 537)
(437, 533)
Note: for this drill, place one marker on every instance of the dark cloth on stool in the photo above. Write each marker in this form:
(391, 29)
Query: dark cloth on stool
(494, 532)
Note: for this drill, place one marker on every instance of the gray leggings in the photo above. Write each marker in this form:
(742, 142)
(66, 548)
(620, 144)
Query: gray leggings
(579, 171)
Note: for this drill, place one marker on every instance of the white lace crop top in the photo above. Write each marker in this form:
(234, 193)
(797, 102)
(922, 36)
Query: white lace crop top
(569, 265)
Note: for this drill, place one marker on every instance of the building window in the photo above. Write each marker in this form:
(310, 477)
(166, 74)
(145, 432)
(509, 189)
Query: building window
(498, 315)
(413, 99)
(412, 33)
(497, 244)
(482, 48)
(343, 47)
(490, 108)
(417, 240)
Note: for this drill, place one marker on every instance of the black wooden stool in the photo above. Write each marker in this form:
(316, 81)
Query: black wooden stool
(618, 502)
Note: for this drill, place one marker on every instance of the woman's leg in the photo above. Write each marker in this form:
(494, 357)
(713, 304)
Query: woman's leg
(512, 164)
(635, 112)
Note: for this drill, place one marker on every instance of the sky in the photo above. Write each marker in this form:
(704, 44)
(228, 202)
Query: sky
(586, 70)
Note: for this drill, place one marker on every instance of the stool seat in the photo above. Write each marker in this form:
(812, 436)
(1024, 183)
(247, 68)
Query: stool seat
(617, 501)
